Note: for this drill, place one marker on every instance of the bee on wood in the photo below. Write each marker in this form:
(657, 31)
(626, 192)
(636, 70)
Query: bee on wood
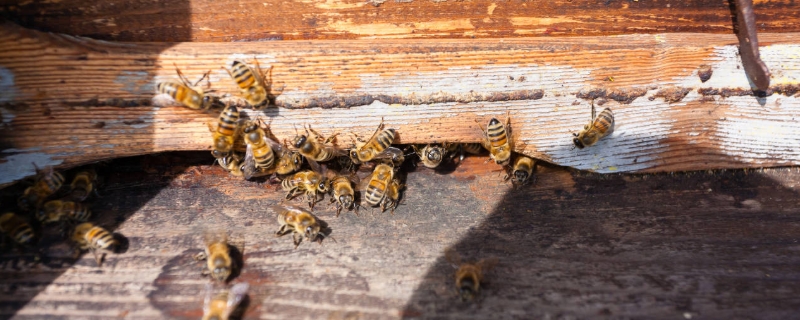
(390, 200)
(260, 154)
(599, 127)
(186, 93)
(342, 193)
(217, 255)
(301, 223)
(232, 164)
(288, 162)
(469, 276)
(522, 170)
(378, 147)
(57, 210)
(307, 181)
(225, 303)
(83, 185)
(471, 148)
(16, 228)
(252, 84)
(224, 135)
(96, 239)
(45, 185)
(315, 148)
(432, 155)
(378, 184)
(497, 139)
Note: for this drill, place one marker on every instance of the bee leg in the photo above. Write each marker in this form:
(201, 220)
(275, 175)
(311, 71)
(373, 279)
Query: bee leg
(283, 230)
(331, 138)
(297, 238)
(200, 256)
(338, 210)
(98, 257)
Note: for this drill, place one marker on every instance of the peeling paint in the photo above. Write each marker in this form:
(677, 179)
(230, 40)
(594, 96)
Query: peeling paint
(20, 166)
(8, 88)
(135, 82)
(773, 136)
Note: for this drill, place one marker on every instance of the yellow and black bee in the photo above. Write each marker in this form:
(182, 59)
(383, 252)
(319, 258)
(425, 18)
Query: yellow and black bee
(497, 139)
(599, 127)
(96, 239)
(16, 228)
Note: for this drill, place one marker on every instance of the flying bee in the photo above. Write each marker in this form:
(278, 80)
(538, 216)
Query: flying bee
(96, 239)
(252, 84)
(378, 183)
(309, 181)
(432, 155)
(15, 227)
(497, 139)
(186, 93)
(224, 135)
(315, 148)
(342, 193)
(378, 147)
(83, 184)
(522, 170)
(222, 305)
(302, 224)
(57, 210)
(392, 197)
(218, 257)
(469, 276)
(599, 127)
(45, 185)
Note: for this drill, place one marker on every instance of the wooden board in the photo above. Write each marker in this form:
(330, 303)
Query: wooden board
(245, 20)
(573, 245)
(69, 101)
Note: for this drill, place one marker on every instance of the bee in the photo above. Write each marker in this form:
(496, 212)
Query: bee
(378, 147)
(57, 210)
(522, 170)
(342, 193)
(432, 155)
(390, 200)
(314, 147)
(232, 164)
(469, 276)
(251, 84)
(15, 227)
(82, 185)
(497, 139)
(301, 223)
(224, 135)
(46, 184)
(472, 148)
(96, 239)
(218, 257)
(189, 95)
(259, 157)
(599, 127)
(288, 162)
(221, 306)
(309, 181)
(378, 183)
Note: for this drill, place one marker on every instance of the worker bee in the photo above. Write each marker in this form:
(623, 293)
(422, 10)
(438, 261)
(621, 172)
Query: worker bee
(379, 181)
(599, 127)
(307, 181)
(15, 227)
(288, 162)
(301, 223)
(224, 135)
(57, 210)
(187, 94)
(232, 164)
(432, 155)
(497, 139)
(260, 154)
(96, 239)
(223, 305)
(251, 84)
(472, 148)
(45, 185)
(342, 193)
(82, 185)
(218, 257)
(522, 170)
(378, 147)
(392, 197)
(469, 276)
(314, 147)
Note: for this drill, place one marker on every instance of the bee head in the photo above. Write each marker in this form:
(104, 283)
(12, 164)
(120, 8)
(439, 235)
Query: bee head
(520, 176)
(296, 160)
(466, 291)
(354, 155)
(219, 154)
(577, 141)
(346, 201)
(435, 154)
(322, 186)
(257, 93)
(494, 122)
(221, 273)
(299, 141)
(311, 232)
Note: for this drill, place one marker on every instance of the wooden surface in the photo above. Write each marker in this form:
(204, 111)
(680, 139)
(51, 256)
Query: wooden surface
(207, 20)
(717, 244)
(69, 101)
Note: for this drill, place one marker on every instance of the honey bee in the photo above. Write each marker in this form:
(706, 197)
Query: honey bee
(309, 181)
(378, 147)
(46, 184)
(232, 164)
(15, 227)
(221, 306)
(472, 148)
(599, 127)
(522, 170)
(288, 162)
(469, 276)
(301, 223)
(57, 210)
(390, 200)
(218, 258)
(96, 239)
(314, 147)
(224, 135)
(497, 139)
(378, 184)
(187, 94)
(260, 154)
(432, 155)
(82, 185)
(251, 84)
(342, 193)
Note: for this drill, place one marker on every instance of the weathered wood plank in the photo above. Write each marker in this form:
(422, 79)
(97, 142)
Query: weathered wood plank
(246, 20)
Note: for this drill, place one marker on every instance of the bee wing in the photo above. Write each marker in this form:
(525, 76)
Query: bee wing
(249, 166)
(236, 295)
(211, 237)
(207, 299)
(389, 153)
(487, 264)
(314, 165)
(276, 147)
(452, 256)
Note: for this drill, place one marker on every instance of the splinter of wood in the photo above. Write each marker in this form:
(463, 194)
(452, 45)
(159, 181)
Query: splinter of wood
(748, 45)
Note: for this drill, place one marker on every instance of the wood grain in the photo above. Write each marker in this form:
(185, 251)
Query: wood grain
(247, 20)
(72, 100)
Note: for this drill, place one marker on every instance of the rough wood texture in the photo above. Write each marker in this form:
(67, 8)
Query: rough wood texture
(573, 245)
(63, 96)
(207, 20)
